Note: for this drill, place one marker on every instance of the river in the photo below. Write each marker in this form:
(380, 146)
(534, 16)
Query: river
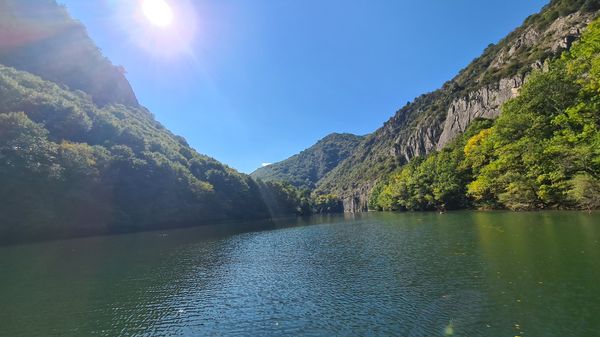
(377, 274)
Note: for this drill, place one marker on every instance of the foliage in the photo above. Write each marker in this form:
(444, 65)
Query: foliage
(284, 199)
(436, 182)
(371, 159)
(79, 156)
(327, 203)
(542, 152)
(585, 191)
(558, 8)
(40, 37)
(414, 127)
(305, 169)
(72, 168)
(548, 135)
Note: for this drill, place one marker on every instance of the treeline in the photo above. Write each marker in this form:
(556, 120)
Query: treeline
(398, 141)
(307, 168)
(542, 152)
(79, 156)
(39, 36)
(70, 168)
(284, 198)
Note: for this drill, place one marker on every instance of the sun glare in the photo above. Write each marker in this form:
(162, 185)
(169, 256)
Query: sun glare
(158, 12)
(165, 28)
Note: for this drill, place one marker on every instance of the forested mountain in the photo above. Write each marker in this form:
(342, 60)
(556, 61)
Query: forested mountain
(40, 37)
(542, 152)
(79, 156)
(433, 120)
(305, 169)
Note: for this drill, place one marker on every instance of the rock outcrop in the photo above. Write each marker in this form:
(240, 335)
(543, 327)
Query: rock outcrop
(357, 202)
(482, 103)
(434, 119)
(486, 101)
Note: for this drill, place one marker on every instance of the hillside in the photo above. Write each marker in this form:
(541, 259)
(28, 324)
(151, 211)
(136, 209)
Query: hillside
(435, 119)
(39, 36)
(305, 169)
(79, 156)
(543, 152)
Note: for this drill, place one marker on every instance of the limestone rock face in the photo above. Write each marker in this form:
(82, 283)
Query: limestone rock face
(421, 141)
(486, 101)
(565, 30)
(435, 119)
(482, 103)
(358, 202)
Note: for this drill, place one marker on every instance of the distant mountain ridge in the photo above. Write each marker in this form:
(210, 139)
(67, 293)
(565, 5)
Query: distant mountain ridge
(307, 168)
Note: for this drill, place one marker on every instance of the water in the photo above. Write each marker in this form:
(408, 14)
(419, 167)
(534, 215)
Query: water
(421, 274)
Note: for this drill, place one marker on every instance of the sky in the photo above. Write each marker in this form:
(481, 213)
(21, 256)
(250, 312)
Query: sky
(249, 82)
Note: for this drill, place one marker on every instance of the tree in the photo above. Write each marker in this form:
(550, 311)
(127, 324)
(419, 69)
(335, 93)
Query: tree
(585, 191)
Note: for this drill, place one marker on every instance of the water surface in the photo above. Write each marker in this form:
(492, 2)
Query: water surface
(379, 274)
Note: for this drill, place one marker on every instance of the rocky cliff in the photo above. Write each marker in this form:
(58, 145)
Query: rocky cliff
(486, 101)
(479, 90)
(481, 103)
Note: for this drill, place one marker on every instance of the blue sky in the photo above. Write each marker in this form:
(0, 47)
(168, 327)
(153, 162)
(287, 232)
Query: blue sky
(255, 81)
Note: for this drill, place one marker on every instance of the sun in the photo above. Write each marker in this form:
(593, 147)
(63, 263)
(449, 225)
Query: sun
(158, 12)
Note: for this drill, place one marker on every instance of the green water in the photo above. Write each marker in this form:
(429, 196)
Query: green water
(420, 274)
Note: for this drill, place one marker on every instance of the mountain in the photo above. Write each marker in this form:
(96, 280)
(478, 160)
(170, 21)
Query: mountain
(39, 36)
(542, 152)
(433, 120)
(80, 156)
(307, 168)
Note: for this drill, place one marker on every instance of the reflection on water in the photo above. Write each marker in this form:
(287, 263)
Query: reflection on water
(415, 274)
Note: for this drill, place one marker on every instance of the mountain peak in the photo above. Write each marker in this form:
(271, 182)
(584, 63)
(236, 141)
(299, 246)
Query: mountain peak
(305, 169)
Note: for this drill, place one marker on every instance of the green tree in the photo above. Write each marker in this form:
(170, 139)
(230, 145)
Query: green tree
(585, 191)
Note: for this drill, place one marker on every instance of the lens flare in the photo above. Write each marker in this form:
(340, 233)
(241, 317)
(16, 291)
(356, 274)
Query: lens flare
(158, 12)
